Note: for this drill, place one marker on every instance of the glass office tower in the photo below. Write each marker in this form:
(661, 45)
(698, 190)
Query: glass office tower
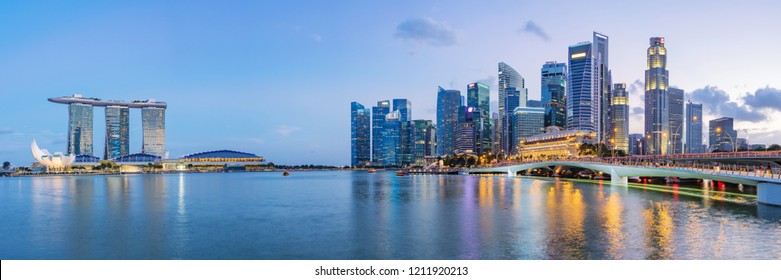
(378, 125)
(391, 139)
(448, 102)
(117, 132)
(508, 78)
(424, 140)
(478, 97)
(675, 112)
(582, 93)
(602, 80)
(693, 128)
(554, 94)
(360, 120)
(526, 122)
(657, 113)
(80, 129)
(721, 135)
(619, 111)
(153, 126)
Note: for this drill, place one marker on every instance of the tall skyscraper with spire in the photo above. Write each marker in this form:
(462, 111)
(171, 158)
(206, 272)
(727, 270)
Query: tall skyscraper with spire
(509, 79)
(602, 80)
(657, 115)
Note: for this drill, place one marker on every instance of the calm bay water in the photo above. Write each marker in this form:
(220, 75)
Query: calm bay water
(357, 215)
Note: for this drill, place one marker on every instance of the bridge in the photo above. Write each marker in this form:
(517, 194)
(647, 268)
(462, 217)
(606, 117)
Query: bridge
(768, 184)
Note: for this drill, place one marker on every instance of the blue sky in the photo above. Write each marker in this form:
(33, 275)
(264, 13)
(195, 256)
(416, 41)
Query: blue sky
(275, 78)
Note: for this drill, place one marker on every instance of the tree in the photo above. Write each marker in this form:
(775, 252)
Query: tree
(6, 165)
(774, 147)
(759, 149)
(587, 150)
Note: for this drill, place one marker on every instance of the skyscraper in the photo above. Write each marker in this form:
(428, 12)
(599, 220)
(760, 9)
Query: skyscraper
(465, 136)
(378, 125)
(526, 122)
(693, 128)
(478, 97)
(636, 144)
(509, 78)
(657, 116)
(153, 126)
(117, 132)
(448, 102)
(603, 81)
(582, 92)
(554, 93)
(721, 134)
(424, 140)
(360, 119)
(80, 128)
(404, 107)
(391, 139)
(619, 112)
(675, 111)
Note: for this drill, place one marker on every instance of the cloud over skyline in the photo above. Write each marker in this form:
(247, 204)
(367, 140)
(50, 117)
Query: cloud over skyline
(769, 98)
(533, 28)
(717, 102)
(426, 31)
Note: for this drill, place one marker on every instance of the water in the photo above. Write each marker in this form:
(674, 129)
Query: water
(357, 215)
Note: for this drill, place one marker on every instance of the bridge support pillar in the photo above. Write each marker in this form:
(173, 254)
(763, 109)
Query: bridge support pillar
(615, 179)
(769, 193)
(510, 173)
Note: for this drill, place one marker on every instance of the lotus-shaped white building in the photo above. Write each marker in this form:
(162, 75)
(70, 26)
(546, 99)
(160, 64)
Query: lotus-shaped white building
(56, 161)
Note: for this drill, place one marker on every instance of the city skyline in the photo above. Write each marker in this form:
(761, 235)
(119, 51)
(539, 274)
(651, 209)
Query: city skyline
(202, 62)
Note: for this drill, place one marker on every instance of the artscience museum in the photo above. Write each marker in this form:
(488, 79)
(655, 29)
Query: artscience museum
(56, 161)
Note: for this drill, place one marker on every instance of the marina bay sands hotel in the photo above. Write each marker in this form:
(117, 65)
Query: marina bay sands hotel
(80, 120)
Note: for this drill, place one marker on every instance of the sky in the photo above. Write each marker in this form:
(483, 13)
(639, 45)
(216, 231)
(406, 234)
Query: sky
(276, 78)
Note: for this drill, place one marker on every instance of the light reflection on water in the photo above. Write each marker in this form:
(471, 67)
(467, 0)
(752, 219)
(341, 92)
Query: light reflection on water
(357, 215)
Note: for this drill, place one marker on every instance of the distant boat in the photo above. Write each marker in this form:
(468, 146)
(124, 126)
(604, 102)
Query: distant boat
(372, 170)
(401, 173)
(285, 173)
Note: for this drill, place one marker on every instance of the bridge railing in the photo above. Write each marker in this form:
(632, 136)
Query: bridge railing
(706, 168)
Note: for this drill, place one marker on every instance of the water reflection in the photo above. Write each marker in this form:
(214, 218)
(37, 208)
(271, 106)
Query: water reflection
(357, 215)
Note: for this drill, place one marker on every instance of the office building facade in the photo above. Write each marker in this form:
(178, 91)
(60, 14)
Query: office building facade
(602, 80)
(693, 128)
(466, 135)
(582, 93)
(424, 138)
(636, 143)
(378, 125)
(117, 132)
(360, 140)
(391, 139)
(509, 79)
(448, 102)
(527, 122)
(619, 112)
(478, 98)
(675, 110)
(721, 135)
(80, 118)
(153, 141)
(657, 118)
(554, 94)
